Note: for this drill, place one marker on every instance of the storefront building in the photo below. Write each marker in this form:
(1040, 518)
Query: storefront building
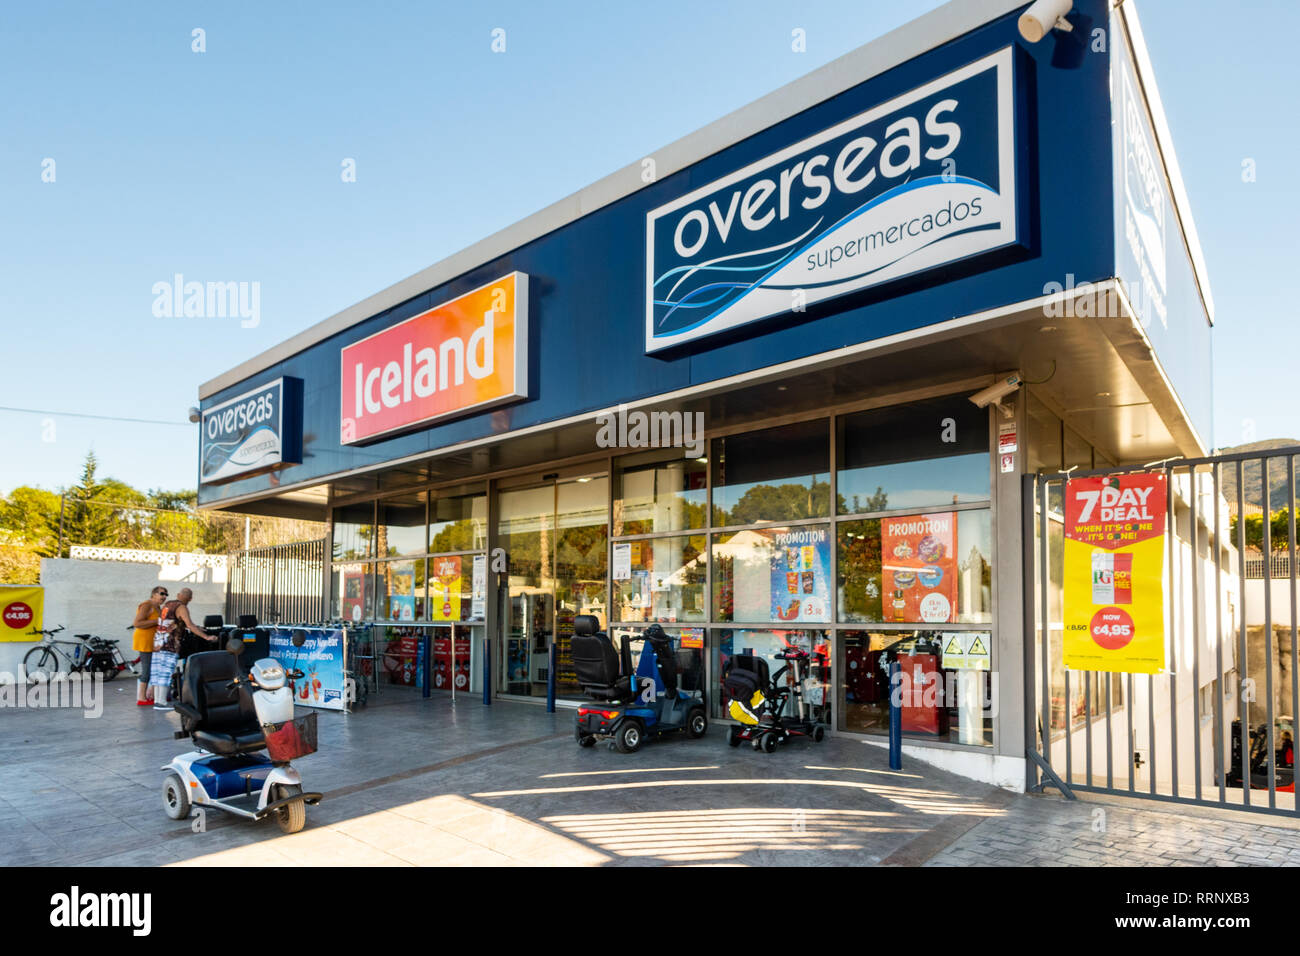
(749, 388)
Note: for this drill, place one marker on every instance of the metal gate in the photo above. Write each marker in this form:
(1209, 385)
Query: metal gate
(1218, 726)
(283, 583)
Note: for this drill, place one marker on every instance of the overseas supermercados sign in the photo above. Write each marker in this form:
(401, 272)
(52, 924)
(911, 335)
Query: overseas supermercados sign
(923, 180)
(255, 431)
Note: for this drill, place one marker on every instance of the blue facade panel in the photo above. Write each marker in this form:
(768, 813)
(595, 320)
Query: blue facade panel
(587, 279)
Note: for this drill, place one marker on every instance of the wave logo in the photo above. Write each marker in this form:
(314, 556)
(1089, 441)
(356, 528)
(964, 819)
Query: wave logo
(921, 181)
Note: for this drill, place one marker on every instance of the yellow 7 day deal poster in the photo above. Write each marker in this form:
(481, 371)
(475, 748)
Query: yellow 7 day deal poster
(1114, 564)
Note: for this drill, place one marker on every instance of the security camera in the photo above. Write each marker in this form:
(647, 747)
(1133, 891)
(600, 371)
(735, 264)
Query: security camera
(999, 390)
(194, 415)
(1042, 17)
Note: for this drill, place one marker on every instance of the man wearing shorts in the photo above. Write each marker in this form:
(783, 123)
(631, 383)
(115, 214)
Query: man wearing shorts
(146, 622)
(173, 620)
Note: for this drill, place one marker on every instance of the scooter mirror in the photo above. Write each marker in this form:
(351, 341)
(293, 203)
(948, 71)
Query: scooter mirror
(235, 645)
(299, 638)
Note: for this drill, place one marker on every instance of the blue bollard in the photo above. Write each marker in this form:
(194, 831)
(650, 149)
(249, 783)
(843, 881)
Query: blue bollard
(895, 716)
(426, 649)
(550, 679)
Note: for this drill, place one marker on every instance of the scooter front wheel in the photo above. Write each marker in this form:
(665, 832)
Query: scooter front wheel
(176, 800)
(292, 817)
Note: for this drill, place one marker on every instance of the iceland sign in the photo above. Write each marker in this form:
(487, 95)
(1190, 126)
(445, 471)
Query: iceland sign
(921, 181)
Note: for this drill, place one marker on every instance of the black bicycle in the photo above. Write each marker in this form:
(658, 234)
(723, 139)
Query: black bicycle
(85, 654)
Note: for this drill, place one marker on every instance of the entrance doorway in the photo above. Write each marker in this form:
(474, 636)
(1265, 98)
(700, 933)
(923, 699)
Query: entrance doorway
(556, 536)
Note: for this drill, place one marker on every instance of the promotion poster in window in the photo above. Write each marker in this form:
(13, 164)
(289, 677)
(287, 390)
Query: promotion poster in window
(353, 600)
(1114, 568)
(800, 580)
(918, 568)
(401, 601)
(320, 659)
(444, 593)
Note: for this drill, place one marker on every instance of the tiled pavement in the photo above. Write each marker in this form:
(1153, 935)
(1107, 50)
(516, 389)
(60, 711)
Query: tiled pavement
(414, 782)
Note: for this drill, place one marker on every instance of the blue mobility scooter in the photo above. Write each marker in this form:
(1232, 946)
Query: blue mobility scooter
(633, 705)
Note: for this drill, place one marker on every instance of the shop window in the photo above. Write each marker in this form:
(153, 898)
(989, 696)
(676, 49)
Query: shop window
(401, 591)
(401, 529)
(945, 684)
(688, 653)
(458, 523)
(932, 568)
(451, 587)
(924, 454)
(776, 575)
(660, 579)
(817, 685)
(654, 492)
(352, 595)
(777, 474)
(354, 531)
(581, 549)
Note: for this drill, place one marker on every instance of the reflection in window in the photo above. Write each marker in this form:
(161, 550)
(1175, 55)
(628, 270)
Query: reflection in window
(945, 683)
(458, 524)
(688, 653)
(817, 687)
(401, 525)
(665, 581)
(781, 575)
(354, 531)
(777, 474)
(924, 454)
(654, 493)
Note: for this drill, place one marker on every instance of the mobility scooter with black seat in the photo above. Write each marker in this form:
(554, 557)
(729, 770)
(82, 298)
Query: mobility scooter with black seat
(632, 705)
(245, 737)
(758, 700)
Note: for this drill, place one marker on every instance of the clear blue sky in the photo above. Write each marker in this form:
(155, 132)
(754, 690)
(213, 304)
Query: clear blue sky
(225, 166)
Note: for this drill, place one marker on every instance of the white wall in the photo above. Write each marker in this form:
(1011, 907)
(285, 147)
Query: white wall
(1280, 596)
(100, 597)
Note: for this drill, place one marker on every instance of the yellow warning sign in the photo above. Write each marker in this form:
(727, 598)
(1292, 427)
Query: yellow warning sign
(966, 652)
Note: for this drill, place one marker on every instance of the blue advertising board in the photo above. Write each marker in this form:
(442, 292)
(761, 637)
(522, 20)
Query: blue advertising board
(918, 182)
(320, 659)
(257, 430)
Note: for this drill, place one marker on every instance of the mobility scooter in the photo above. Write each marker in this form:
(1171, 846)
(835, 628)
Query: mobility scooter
(632, 706)
(759, 701)
(232, 720)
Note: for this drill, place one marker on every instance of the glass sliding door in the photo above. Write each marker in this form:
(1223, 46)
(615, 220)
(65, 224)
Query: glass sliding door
(556, 535)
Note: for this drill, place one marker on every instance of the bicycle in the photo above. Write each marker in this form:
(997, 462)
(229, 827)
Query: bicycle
(90, 654)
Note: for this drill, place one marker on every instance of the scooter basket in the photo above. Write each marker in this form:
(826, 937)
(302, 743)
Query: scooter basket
(291, 739)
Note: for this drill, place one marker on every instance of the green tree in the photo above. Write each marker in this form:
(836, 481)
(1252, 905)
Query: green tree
(1278, 530)
(29, 519)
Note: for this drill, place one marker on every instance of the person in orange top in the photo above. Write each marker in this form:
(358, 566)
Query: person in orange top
(146, 622)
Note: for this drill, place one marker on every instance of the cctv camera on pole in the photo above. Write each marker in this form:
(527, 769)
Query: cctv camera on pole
(1042, 17)
(999, 390)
